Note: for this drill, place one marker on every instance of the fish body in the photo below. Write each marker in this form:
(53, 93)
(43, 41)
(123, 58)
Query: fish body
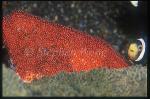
(40, 48)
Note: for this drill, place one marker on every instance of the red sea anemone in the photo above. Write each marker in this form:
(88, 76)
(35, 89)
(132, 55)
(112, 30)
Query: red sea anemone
(40, 48)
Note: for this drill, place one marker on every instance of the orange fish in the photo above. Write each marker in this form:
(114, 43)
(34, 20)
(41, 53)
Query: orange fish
(39, 48)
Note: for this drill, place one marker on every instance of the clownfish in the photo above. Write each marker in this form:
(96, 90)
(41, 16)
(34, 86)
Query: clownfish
(137, 51)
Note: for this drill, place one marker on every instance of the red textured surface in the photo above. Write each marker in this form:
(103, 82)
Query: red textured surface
(39, 48)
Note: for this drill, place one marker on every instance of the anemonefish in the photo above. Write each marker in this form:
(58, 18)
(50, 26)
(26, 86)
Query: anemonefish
(137, 51)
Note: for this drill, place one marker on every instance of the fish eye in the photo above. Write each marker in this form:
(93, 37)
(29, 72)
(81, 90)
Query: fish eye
(131, 50)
